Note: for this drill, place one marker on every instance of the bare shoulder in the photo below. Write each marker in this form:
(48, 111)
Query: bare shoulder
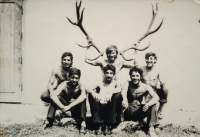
(142, 67)
(81, 85)
(56, 70)
(147, 87)
(63, 84)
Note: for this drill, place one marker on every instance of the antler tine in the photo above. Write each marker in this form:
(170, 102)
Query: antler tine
(153, 31)
(71, 21)
(82, 46)
(125, 58)
(81, 18)
(80, 4)
(78, 10)
(94, 58)
(151, 23)
(135, 48)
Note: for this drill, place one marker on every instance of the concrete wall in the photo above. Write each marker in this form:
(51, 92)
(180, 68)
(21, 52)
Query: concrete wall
(47, 34)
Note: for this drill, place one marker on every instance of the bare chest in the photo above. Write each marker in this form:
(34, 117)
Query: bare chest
(150, 75)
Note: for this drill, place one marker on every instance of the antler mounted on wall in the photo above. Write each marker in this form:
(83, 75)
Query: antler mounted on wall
(79, 24)
(148, 32)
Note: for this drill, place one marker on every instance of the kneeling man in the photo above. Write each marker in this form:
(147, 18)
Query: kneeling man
(136, 103)
(69, 96)
(103, 102)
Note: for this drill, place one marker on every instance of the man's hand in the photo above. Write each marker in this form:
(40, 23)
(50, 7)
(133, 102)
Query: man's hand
(96, 96)
(125, 103)
(66, 108)
(89, 41)
(146, 107)
(108, 97)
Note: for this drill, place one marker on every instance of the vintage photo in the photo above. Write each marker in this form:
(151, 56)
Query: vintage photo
(99, 68)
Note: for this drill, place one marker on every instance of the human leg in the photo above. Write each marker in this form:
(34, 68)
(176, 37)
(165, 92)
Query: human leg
(51, 112)
(96, 115)
(163, 95)
(79, 112)
(45, 96)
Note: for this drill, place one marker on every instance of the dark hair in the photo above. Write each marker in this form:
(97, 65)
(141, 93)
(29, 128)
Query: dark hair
(109, 67)
(67, 54)
(151, 54)
(111, 48)
(74, 71)
(136, 69)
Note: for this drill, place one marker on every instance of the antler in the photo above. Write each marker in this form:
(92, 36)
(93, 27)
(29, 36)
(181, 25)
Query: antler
(148, 32)
(79, 24)
(79, 18)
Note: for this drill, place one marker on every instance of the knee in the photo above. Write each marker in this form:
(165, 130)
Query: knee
(44, 96)
(165, 90)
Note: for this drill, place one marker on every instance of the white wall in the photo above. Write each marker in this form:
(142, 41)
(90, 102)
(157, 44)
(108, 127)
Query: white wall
(48, 34)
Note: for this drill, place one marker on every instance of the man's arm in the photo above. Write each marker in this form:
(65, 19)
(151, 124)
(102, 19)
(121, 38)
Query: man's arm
(92, 90)
(51, 81)
(93, 62)
(124, 95)
(153, 100)
(153, 94)
(129, 64)
(54, 96)
(80, 99)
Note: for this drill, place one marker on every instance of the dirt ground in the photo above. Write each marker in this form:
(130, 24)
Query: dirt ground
(26, 114)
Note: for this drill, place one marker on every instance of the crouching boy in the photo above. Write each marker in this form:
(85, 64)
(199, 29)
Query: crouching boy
(137, 105)
(69, 96)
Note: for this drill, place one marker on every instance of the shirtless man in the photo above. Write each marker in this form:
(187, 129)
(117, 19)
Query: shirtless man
(137, 105)
(69, 96)
(151, 77)
(111, 53)
(102, 101)
(58, 75)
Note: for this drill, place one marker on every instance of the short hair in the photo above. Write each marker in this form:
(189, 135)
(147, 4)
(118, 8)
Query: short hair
(74, 71)
(67, 54)
(150, 54)
(109, 67)
(136, 69)
(111, 48)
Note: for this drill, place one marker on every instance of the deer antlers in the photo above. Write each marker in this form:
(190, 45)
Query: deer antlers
(79, 24)
(145, 35)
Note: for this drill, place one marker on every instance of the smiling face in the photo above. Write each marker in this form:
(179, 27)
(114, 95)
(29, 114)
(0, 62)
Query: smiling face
(135, 77)
(66, 62)
(112, 55)
(109, 74)
(150, 61)
(74, 79)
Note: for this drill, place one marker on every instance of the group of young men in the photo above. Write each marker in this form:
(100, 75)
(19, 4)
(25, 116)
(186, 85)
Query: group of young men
(110, 102)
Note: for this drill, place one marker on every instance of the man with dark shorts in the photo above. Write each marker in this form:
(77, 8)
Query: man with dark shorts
(69, 96)
(58, 75)
(137, 105)
(151, 77)
(102, 101)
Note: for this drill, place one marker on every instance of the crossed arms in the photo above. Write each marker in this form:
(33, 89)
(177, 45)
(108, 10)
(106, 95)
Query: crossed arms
(62, 87)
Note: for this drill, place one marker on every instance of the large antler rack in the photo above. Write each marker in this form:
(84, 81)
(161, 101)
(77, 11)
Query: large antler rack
(148, 32)
(79, 24)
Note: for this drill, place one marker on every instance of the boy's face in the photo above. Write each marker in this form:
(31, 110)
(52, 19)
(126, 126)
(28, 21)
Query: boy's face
(66, 61)
(150, 61)
(135, 77)
(109, 75)
(112, 55)
(74, 79)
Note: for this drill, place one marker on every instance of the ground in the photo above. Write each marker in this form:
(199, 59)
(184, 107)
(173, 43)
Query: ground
(27, 120)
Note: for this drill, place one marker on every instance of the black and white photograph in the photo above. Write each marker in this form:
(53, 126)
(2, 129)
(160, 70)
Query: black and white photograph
(89, 68)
